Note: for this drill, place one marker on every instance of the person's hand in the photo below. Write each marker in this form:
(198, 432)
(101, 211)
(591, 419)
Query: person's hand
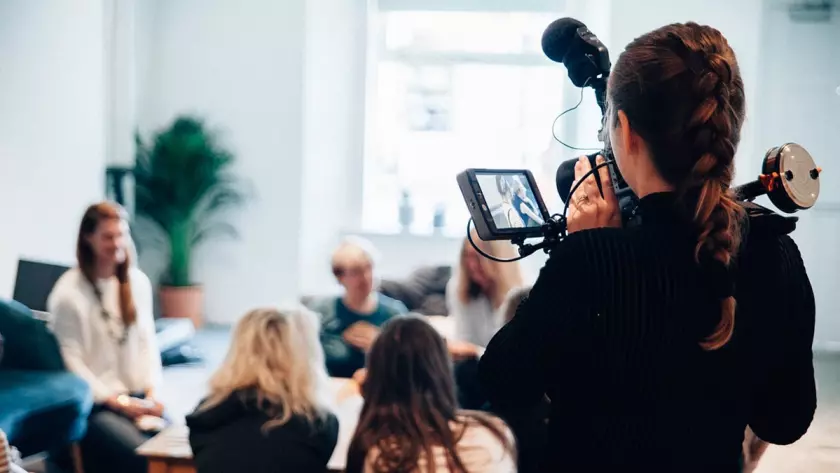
(460, 350)
(155, 409)
(361, 335)
(353, 386)
(359, 376)
(753, 448)
(588, 209)
(127, 406)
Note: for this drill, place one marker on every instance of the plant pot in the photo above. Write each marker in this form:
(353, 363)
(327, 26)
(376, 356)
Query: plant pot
(185, 302)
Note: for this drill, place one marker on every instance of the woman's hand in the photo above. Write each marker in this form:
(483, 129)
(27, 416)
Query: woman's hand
(359, 376)
(126, 406)
(353, 386)
(588, 209)
(156, 408)
(460, 350)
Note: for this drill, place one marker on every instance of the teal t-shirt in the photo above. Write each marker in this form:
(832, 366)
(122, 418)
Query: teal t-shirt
(342, 358)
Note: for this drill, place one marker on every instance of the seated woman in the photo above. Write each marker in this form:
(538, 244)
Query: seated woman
(268, 403)
(105, 327)
(478, 288)
(410, 420)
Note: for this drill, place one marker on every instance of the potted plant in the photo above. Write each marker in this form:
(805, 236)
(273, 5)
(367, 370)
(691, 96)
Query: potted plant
(184, 183)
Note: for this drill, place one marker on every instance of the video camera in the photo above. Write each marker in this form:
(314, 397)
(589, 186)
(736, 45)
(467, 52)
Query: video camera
(506, 204)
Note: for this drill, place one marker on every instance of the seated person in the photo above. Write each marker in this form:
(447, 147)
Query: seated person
(410, 419)
(478, 288)
(268, 404)
(105, 326)
(350, 323)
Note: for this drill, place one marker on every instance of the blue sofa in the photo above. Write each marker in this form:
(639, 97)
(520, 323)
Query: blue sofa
(43, 407)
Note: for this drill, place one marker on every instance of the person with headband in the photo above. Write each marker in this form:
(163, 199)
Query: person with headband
(632, 333)
(104, 323)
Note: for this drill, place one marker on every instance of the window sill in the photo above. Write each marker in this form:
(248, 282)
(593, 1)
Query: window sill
(404, 236)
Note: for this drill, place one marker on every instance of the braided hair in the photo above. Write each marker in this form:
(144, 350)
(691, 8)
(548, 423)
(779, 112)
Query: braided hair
(682, 92)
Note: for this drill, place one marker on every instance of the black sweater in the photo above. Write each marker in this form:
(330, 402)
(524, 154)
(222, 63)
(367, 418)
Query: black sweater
(229, 438)
(611, 334)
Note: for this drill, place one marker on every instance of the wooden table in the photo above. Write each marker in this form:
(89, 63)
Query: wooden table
(170, 452)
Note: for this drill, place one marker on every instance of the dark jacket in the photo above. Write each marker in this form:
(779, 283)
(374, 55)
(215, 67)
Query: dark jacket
(611, 332)
(229, 438)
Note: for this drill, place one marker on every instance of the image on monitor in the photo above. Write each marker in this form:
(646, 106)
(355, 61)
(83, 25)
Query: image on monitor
(511, 200)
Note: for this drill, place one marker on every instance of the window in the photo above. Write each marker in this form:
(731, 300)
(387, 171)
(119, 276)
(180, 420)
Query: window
(449, 90)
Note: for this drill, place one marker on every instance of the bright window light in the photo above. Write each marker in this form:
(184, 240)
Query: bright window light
(449, 91)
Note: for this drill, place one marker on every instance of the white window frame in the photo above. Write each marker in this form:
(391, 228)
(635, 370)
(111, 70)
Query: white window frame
(377, 53)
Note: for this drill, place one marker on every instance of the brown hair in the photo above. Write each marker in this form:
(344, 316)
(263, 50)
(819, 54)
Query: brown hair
(682, 92)
(87, 260)
(505, 276)
(410, 404)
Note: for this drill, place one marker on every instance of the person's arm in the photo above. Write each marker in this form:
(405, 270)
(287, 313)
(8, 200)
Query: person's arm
(526, 209)
(785, 400)
(513, 368)
(149, 356)
(393, 307)
(71, 330)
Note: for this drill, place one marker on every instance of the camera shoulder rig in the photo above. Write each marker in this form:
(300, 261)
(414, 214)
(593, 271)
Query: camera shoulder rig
(763, 222)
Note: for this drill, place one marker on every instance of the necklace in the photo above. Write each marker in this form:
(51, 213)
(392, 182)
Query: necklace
(120, 338)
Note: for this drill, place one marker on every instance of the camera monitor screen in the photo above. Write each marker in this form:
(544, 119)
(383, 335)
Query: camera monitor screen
(511, 200)
(503, 203)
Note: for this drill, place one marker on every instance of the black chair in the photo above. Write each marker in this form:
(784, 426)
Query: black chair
(36, 279)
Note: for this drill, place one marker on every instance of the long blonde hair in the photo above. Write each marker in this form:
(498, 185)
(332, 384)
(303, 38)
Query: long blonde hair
(505, 276)
(276, 354)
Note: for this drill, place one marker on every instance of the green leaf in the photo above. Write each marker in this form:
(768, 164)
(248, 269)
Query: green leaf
(184, 183)
(214, 230)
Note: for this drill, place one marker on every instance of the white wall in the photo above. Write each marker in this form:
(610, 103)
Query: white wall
(52, 148)
(240, 65)
(797, 100)
(333, 119)
(739, 21)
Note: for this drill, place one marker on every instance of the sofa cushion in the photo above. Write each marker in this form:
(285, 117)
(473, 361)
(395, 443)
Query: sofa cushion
(28, 344)
(43, 410)
(423, 291)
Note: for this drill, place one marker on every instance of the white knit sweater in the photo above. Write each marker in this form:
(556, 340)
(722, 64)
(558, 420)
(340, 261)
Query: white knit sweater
(89, 339)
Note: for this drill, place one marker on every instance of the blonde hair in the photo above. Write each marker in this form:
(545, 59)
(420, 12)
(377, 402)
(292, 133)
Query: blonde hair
(277, 354)
(505, 276)
(353, 249)
(513, 300)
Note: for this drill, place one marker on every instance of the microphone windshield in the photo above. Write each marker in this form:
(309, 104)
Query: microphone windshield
(557, 38)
